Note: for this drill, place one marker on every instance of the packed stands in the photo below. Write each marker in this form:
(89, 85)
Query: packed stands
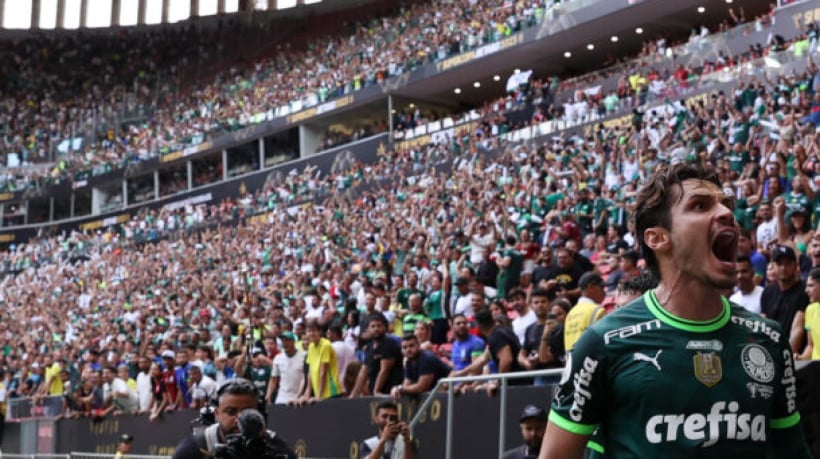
(514, 181)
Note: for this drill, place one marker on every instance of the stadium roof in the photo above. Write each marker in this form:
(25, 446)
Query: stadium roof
(74, 14)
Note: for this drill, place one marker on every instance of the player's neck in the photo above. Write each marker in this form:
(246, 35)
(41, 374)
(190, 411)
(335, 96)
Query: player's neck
(691, 302)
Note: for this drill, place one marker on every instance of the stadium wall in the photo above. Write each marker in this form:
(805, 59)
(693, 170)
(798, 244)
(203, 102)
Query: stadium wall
(333, 428)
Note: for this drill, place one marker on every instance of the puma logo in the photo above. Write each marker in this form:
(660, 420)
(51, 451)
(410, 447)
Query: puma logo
(653, 360)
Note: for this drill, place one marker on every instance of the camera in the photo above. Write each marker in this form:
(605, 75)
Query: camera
(393, 418)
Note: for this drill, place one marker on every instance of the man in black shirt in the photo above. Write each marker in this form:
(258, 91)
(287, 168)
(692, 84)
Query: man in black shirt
(382, 367)
(540, 338)
(567, 276)
(422, 369)
(786, 300)
(502, 346)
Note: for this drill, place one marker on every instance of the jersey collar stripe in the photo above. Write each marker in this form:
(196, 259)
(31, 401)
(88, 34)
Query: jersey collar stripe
(570, 426)
(785, 423)
(684, 324)
(595, 446)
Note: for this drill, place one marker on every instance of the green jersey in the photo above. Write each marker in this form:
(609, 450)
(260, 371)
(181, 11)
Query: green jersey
(260, 378)
(659, 386)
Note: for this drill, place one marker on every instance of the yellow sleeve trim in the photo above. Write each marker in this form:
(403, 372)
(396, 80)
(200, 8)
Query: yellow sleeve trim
(570, 426)
(785, 423)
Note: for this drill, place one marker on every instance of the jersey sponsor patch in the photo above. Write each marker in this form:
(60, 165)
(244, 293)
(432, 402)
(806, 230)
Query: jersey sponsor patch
(705, 345)
(708, 368)
(631, 330)
(582, 382)
(789, 382)
(759, 390)
(723, 421)
(757, 326)
(758, 363)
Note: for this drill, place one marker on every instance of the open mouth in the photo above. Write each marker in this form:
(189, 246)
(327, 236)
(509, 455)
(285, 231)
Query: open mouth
(724, 247)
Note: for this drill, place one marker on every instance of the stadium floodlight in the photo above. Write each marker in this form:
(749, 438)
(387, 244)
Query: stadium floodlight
(614, 39)
(457, 90)
(701, 10)
(567, 54)
(497, 78)
(590, 46)
(639, 30)
(477, 84)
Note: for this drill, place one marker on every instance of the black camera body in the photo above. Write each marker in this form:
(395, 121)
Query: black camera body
(239, 446)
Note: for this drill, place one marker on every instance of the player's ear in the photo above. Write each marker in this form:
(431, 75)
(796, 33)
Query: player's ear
(656, 238)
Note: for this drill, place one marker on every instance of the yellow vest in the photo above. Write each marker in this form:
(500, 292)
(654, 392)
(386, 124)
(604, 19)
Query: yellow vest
(578, 319)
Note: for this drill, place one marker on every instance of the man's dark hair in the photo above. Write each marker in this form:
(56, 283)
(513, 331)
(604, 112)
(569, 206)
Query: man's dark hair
(743, 258)
(639, 284)
(236, 386)
(658, 195)
(516, 291)
(460, 314)
(540, 292)
(814, 274)
(313, 325)
(377, 316)
(111, 368)
(409, 337)
(335, 329)
(484, 318)
(386, 405)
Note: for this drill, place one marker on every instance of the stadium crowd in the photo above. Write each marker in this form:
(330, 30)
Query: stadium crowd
(466, 256)
(43, 115)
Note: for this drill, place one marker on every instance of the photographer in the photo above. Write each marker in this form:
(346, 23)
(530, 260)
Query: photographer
(239, 431)
(393, 440)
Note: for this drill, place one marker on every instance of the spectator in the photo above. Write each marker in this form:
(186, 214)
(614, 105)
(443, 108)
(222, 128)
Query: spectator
(382, 366)
(587, 311)
(287, 373)
(633, 287)
(785, 301)
(812, 351)
(533, 422)
(124, 446)
(747, 293)
(422, 369)
(202, 387)
(503, 349)
(539, 337)
(323, 367)
(466, 346)
(517, 301)
(393, 440)
(344, 353)
(119, 398)
(145, 395)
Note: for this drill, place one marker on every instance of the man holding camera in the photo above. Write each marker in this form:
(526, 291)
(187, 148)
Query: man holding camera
(393, 441)
(239, 431)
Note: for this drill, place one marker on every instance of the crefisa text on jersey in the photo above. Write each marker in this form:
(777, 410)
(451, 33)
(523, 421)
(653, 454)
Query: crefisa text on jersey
(757, 326)
(582, 380)
(707, 427)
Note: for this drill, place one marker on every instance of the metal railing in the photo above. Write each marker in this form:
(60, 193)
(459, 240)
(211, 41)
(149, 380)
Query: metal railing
(81, 455)
(502, 400)
(22, 408)
(34, 456)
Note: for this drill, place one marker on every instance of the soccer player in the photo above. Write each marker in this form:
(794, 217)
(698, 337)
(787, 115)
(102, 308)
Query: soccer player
(680, 372)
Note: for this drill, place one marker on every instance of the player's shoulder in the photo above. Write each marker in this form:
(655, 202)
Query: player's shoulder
(754, 324)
